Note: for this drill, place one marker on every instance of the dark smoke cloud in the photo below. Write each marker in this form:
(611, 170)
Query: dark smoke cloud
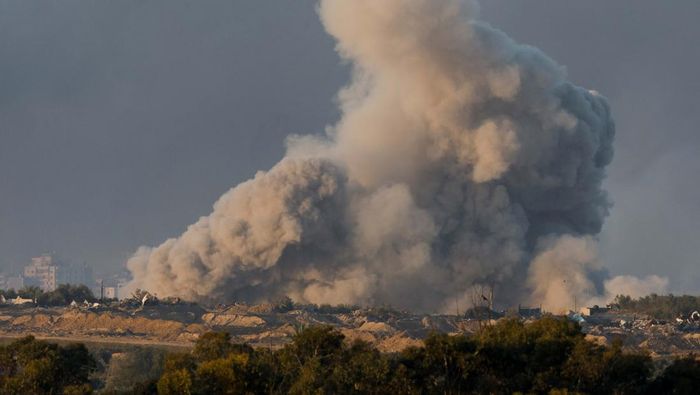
(461, 157)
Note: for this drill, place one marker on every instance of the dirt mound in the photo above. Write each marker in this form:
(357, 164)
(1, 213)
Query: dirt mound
(398, 343)
(382, 336)
(33, 321)
(692, 337)
(110, 323)
(71, 322)
(265, 308)
(377, 327)
(234, 320)
(274, 338)
(600, 340)
(352, 335)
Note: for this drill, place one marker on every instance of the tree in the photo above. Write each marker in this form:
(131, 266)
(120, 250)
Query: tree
(626, 373)
(595, 369)
(216, 345)
(362, 369)
(223, 375)
(307, 362)
(177, 374)
(65, 294)
(317, 342)
(550, 355)
(446, 364)
(30, 366)
(30, 292)
(175, 382)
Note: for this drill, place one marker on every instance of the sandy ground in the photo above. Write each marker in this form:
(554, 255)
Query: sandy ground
(178, 326)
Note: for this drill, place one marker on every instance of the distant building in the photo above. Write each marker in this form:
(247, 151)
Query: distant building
(110, 287)
(111, 293)
(529, 312)
(42, 272)
(594, 310)
(48, 272)
(76, 274)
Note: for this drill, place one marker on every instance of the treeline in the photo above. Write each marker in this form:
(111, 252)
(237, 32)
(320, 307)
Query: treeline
(547, 356)
(61, 296)
(659, 306)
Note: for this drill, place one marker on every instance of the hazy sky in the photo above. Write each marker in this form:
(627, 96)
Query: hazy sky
(122, 122)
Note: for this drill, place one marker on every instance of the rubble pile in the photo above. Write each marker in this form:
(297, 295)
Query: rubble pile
(661, 338)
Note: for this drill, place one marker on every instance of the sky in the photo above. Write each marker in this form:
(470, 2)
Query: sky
(122, 122)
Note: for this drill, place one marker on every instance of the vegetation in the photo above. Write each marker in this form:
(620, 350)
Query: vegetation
(133, 371)
(547, 356)
(63, 295)
(30, 366)
(659, 306)
(339, 309)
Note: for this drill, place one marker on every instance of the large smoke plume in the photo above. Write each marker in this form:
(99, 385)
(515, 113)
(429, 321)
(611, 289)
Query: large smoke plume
(461, 158)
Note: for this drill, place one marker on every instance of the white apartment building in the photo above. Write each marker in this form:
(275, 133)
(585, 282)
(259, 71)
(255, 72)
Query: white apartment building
(47, 272)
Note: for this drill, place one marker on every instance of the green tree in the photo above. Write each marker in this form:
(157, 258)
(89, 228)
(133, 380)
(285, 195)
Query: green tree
(550, 355)
(307, 363)
(213, 345)
(223, 375)
(448, 363)
(175, 382)
(178, 374)
(595, 369)
(30, 292)
(65, 294)
(361, 370)
(29, 366)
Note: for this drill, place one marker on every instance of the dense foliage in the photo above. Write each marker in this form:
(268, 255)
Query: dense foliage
(550, 354)
(30, 366)
(659, 306)
(63, 295)
(547, 356)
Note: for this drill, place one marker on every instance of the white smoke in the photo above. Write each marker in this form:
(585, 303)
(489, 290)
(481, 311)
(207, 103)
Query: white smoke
(564, 272)
(461, 157)
(560, 275)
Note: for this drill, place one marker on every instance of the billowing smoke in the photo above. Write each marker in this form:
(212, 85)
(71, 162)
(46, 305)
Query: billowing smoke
(461, 158)
(566, 273)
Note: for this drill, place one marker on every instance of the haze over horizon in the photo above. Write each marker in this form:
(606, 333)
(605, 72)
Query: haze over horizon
(122, 125)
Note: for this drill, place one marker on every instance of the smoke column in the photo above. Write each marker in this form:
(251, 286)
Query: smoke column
(460, 158)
